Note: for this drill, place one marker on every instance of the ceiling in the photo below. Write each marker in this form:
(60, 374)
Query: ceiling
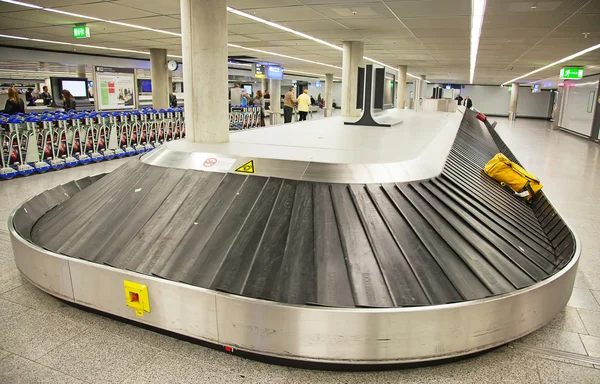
(432, 37)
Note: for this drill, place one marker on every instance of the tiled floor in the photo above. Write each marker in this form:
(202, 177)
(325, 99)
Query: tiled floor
(43, 340)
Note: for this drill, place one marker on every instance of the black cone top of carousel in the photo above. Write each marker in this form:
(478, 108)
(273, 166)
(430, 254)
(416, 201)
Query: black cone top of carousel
(456, 237)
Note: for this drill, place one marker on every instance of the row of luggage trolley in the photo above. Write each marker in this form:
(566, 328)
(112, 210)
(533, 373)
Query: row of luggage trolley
(244, 117)
(53, 140)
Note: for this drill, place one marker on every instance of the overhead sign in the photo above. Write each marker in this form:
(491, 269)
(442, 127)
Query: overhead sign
(260, 70)
(275, 72)
(571, 73)
(448, 86)
(81, 32)
(247, 168)
(318, 84)
(535, 88)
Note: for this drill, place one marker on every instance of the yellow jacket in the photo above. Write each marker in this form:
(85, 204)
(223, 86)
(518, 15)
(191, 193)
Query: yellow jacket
(303, 102)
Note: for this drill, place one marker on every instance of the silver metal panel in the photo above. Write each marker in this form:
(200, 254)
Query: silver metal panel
(50, 273)
(175, 307)
(391, 336)
(350, 336)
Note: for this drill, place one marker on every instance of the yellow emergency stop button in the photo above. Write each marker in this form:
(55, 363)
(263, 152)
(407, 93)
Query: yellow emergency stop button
(136, 297)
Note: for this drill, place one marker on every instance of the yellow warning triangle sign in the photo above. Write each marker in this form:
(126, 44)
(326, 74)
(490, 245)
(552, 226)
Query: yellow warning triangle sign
(247, 168)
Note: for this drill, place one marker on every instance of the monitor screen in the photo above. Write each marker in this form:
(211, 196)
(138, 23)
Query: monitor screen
(275, 72)
(388, 89)
(78, 88)
(146, 85)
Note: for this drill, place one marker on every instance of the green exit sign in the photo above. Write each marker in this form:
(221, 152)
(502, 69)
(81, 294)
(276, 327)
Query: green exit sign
(571, 73)
(81, 32)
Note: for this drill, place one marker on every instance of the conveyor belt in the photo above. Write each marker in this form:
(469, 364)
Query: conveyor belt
(456, 237)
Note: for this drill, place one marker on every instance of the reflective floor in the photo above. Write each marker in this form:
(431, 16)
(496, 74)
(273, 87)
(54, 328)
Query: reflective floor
(43, 340)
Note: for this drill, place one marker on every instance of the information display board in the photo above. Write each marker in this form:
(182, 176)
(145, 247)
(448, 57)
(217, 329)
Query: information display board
(116, 88)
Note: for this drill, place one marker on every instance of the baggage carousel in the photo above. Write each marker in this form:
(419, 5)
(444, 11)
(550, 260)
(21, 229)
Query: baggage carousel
(308, 261)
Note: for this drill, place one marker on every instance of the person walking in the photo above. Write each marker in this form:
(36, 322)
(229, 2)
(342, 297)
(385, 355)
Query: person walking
(288, 106)
(468, 102)
(46, 96)
(459, 99)
(14, 104)
(303, 105)
(69, 103)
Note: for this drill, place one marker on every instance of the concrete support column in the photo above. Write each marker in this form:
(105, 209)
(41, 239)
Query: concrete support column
(328, 110)
(275, 108)
(514, 101)
(81, 71)
(352, 59)
(169, 81)
(263, 85)
(204, 40)
(160, 78)
(401, 91)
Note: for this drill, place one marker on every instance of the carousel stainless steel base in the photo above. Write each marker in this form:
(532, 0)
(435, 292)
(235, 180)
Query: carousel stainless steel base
(350, 271)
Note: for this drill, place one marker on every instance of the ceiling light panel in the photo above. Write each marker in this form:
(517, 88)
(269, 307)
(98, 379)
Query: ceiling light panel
(478, 11)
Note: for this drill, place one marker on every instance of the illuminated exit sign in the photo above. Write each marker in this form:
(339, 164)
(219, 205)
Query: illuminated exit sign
(571, 73)
(81, 32)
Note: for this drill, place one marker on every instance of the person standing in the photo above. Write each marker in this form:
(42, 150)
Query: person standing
(303, 104)
(14, 104)
(259, 100)
(267, 95)
(69, 103)
(173, 99)
(288, 105)
(30, 98)
(468, 102)
(46, 96)
(459, 99)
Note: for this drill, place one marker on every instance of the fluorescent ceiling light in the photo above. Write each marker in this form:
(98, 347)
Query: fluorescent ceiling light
(283, 28)
(282, 55)
(75, 44)
(309, 73)
(22, 4)
(72, 14)
(390, 67)
(571, 57)
(478, 8)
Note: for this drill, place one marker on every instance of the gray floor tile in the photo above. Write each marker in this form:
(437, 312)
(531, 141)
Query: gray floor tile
(567, 320)
(591, 320)
(596, 294)
(173, 369)
(3, 354)
(98, 357)
(31, 334)
(17, 370)
(554, 372)
(10, 277)
(121, 329)
(10, 309)
(557, 340)
(32, 297)
(583, 298)
(591, 344)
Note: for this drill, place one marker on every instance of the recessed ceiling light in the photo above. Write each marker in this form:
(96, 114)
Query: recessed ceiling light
(533, 6)
(571, 57)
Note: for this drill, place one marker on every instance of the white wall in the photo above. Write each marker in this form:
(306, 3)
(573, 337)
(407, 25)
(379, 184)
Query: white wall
(580, 102)
(495, 100)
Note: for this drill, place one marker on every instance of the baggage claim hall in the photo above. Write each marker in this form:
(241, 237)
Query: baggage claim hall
(299, 191)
